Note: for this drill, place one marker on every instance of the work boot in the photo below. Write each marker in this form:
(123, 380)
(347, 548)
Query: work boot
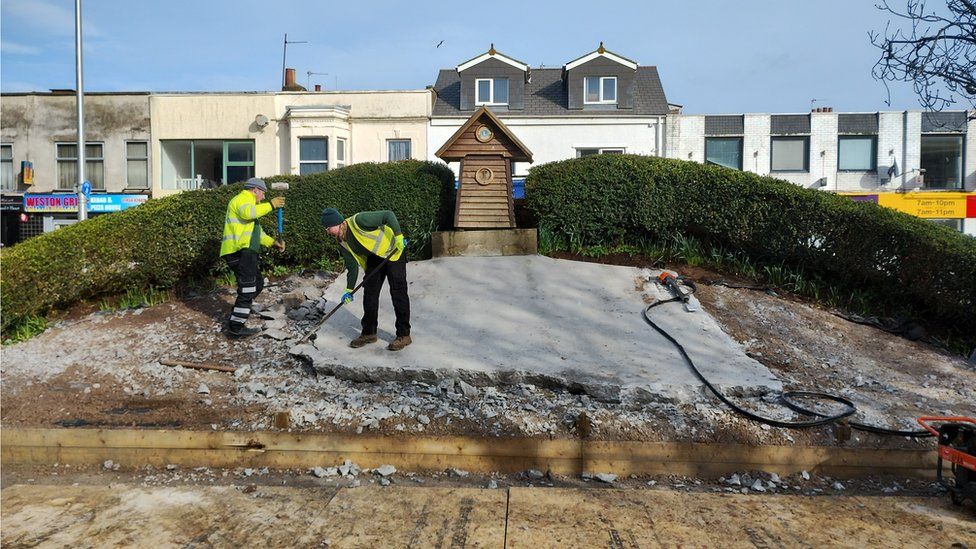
(399, 343)
(362, 340)
(241, 333)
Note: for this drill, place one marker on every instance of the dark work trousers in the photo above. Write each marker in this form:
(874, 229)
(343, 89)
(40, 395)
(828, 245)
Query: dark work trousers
(247, 268)
(396, 273)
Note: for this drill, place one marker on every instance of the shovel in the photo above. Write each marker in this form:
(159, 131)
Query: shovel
(311, 333)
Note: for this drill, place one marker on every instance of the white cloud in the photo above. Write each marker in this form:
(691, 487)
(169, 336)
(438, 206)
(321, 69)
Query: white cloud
(47, 16)
(13, 48)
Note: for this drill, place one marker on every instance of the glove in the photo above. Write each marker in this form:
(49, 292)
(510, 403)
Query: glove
(280, 244)
(347, 297)
(278, 202)
(399, 242)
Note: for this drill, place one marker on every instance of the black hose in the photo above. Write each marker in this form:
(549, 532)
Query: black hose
(785, 398)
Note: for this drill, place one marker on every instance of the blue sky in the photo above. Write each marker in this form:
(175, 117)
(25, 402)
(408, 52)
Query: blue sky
(713, 56)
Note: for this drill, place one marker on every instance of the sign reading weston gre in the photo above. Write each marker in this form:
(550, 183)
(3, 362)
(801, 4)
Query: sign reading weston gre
(68, 203)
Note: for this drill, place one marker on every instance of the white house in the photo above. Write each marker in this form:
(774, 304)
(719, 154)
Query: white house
(599, 103)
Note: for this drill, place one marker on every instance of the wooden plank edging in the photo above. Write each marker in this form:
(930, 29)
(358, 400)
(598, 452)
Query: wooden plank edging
(136, 448)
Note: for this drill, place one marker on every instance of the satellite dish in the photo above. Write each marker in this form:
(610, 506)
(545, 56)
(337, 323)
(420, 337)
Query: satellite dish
(261, 120)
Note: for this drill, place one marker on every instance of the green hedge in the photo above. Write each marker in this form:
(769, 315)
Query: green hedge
(909, 265)
(168, 240)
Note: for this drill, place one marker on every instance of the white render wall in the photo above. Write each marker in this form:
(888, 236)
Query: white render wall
(366, 119)
(552, 139)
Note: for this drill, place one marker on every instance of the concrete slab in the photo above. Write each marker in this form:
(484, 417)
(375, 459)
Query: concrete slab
(538, 320)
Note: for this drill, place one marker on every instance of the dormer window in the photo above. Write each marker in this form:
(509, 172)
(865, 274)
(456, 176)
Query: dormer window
(600, 90)
(491, 91)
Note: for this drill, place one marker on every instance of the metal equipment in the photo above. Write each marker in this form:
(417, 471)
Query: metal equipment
(957, 445)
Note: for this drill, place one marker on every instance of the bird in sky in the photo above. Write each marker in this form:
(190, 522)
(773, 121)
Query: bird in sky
(439, 44)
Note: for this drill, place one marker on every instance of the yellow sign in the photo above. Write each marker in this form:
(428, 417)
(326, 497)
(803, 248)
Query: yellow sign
(927, 205)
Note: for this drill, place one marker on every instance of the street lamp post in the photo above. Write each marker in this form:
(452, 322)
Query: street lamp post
(79, 85)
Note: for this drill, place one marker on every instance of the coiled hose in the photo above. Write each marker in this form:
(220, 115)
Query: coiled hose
(788, 399)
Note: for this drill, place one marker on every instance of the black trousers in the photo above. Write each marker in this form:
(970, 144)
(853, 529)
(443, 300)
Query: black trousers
(247, 268)
(396, 273)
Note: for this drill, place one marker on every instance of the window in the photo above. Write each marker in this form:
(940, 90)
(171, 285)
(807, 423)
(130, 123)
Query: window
(857, 153)
(313, 155)
(137, 165)
(238, 161)
(205, 163)
(600, 89)
(68, 166)
(580, 153)
(790, 154)
(724, 151)
(942, 161)
(398, 149)
(954, 224)
(340, 152)
(491, 91)
(7, 181)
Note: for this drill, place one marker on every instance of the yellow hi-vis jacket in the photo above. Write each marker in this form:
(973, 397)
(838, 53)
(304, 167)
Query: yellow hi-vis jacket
(241, 222)
(378, 242)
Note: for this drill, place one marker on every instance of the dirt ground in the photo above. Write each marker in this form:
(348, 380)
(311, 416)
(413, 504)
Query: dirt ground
(64, 506)
(102, 370)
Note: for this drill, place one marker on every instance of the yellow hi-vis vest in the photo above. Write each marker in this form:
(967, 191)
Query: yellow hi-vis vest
(240, 223)
(378, 242)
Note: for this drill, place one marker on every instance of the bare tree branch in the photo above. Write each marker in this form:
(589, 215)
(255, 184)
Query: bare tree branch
(934, 50)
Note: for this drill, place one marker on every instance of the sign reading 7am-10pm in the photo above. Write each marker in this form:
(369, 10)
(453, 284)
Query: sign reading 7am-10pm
(929, 205)
(68, 203)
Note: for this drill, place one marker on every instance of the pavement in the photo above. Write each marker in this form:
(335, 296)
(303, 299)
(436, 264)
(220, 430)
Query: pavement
(533, 319)
(404, 516)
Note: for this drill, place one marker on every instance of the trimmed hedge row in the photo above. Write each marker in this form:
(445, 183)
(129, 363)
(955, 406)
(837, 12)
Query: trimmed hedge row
(168, 240)
(909, 265)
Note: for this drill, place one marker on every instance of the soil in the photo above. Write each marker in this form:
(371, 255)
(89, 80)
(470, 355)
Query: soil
(101, 370)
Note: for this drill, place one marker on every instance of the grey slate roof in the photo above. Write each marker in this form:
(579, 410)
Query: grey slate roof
(546, 95)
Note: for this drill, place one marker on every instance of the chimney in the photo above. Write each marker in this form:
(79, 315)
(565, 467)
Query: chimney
(318, 87)
(290, 84)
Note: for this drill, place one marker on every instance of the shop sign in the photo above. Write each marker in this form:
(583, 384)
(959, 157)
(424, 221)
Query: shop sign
(68, 203)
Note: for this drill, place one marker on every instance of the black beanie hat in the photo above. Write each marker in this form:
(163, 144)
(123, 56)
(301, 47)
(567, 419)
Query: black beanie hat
(331, 217)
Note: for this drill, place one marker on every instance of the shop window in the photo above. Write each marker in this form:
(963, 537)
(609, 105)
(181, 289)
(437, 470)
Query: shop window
(313, 155)
(790, 154)
(67, 156)
(600, 89)
(857, 153)
(398, 149)
(7, 181)
(724, 151)
(954, 224)
(942, 161)
(491, 91)
(188, 165)
(137, 165)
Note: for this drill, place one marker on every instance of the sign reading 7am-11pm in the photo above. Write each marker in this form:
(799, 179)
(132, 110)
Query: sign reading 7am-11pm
(68, 203)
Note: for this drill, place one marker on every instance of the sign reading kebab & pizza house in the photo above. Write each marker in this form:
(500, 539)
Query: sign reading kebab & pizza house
(68, 203)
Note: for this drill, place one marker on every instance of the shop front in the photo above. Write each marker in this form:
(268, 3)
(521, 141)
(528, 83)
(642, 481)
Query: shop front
(35, 213)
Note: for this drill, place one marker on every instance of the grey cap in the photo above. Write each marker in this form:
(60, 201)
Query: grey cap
(255, 183)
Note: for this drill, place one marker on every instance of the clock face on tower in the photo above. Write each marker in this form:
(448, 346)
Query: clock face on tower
(483, 134)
